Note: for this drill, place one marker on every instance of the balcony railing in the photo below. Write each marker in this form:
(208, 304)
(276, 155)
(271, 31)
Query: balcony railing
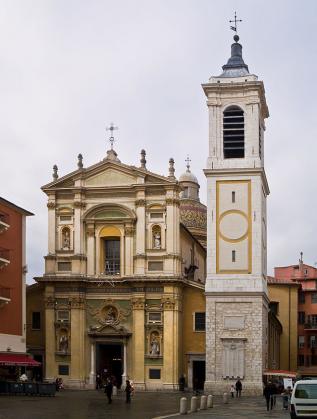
(310, 325)
(5, 296)
(4, 258)
(112, 268)
(4, 222)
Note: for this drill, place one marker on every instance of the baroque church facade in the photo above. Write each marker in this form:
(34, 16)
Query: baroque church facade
(236, 286)
(125, 255)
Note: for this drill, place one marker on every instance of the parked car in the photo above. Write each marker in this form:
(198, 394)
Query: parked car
(304, 399)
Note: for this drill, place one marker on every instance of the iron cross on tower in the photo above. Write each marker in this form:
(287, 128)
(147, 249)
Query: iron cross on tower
(111, 128)
(235, 21)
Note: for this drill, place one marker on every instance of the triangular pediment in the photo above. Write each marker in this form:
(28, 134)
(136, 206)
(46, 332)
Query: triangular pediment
(107, 173)
(110, 177)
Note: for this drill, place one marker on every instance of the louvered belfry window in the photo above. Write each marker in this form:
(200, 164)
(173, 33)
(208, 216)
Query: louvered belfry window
(233, 133)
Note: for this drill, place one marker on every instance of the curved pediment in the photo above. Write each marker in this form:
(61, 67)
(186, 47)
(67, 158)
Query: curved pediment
(110, 212)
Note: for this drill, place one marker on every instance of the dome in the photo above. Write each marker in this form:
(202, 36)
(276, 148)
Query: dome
(193, 215)
(188, 176)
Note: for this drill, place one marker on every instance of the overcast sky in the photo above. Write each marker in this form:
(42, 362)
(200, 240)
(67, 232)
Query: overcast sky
(69, 67)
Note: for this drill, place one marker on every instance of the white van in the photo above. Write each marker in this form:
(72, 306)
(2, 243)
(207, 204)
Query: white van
(304, 399)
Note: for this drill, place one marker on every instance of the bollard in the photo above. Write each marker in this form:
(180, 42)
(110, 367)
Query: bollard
(225, 398)
(193, 404)
(115, 391)
(183, 406)
(203, 403)
(210, 401)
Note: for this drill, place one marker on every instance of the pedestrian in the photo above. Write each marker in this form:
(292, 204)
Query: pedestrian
(182, 383)
(108, 390)
(268, 392)
(232, 390)
(98, 382)
(128, 391)
(238, 387)
(286, 397)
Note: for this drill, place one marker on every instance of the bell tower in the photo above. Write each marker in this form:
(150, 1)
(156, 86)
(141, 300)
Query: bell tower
(236, 290)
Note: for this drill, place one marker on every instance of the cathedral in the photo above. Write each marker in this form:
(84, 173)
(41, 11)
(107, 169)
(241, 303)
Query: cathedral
(143, 281)
(126, 255)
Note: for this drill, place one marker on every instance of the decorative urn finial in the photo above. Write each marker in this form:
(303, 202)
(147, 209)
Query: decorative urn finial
(143, 160)
(55, 170)
(171, 169)
(80, 161)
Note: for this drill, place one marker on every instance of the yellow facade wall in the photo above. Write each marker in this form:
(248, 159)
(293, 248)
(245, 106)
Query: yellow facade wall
(286, 294)
(193, 342)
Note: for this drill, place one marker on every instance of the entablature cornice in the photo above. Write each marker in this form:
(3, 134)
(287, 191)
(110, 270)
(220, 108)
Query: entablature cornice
(214, 91)
(239, 172)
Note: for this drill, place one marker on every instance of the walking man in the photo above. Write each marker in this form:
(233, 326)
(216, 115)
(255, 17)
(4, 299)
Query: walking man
(128, 390)
(268, 392)
(238, 387)
(108, 390)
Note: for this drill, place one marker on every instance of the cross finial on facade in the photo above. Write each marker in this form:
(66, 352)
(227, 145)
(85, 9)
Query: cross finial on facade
(188, 165)
(235, 21)
(111, 128)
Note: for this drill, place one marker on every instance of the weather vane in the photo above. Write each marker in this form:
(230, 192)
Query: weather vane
(188, 161)
(111, 128)
(235, 21)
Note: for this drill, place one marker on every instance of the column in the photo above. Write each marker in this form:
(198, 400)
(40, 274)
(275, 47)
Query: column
(138, 343)
(51, 205)
(77, 368)
(172, 349)
(50, 343)
(124, 374)
(128, 263)
(90, 250)
(140, 233)
(79, 206)
(92, 374)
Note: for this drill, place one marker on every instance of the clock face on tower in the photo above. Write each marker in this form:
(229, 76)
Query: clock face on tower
(233, 229)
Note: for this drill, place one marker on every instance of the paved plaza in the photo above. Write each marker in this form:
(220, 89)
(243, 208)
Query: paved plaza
(93, 405)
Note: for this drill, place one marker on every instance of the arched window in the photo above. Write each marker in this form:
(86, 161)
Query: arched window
(233, 133)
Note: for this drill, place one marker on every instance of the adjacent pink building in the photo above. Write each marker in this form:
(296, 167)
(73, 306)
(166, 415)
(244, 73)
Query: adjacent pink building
(306, 276)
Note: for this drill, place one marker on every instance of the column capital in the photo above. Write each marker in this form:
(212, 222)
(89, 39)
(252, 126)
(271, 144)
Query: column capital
(140, 203)
(79, 204)
(51, 205)
(77, 302)
(172, 201)
(138, 303)
(49, 302)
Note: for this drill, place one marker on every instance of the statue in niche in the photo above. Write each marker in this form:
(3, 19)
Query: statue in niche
(154, 345)
(157, 240)
(66, 239)
(63, 343)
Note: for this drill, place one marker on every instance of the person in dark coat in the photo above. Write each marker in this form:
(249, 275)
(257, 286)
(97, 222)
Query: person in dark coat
(108, 390)
(182, 383)
(128, 391)
(98, 382)
(238, 388)
(268, 392)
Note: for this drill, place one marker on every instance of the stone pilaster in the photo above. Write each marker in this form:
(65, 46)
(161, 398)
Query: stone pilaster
(140, 233)
(171, 341)
(50, 342)
(77, 369)
(51, 206)
(138, 341)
